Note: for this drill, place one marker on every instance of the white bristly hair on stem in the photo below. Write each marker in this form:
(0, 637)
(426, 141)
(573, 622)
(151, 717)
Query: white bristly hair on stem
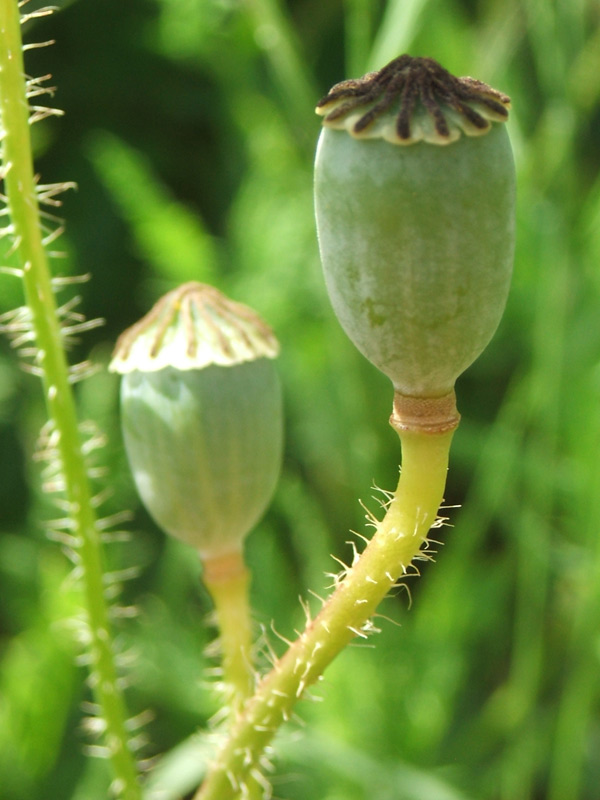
(41, 330)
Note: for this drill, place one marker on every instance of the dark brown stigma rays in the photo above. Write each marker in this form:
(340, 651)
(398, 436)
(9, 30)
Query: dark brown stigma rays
(407, 86)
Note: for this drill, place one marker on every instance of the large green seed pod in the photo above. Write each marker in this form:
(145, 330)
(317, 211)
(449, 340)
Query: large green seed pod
(201, 416)
(415, 195)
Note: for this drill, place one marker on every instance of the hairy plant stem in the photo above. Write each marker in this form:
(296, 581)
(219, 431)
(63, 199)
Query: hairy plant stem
(22, 201)
(346, 614)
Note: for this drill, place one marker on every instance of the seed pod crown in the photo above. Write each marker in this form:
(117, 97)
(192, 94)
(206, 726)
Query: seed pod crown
(413, 99)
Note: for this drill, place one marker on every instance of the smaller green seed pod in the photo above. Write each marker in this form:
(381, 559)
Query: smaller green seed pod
(201, 416)
(415, 198)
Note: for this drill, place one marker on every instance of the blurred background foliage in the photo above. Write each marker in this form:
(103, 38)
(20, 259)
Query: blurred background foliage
(190, 132)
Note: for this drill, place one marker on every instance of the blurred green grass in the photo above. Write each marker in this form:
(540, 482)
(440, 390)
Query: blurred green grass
(190, 130)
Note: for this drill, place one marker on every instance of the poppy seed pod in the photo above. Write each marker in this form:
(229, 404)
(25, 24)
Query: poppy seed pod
(415, 197)
(201, 416)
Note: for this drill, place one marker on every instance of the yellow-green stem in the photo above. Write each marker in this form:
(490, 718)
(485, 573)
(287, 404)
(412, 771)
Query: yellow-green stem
(226, 579)
(397, 540)
(24, 213)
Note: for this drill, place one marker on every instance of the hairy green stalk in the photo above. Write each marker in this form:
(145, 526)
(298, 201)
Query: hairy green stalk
(22, 199)
(347, 614)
